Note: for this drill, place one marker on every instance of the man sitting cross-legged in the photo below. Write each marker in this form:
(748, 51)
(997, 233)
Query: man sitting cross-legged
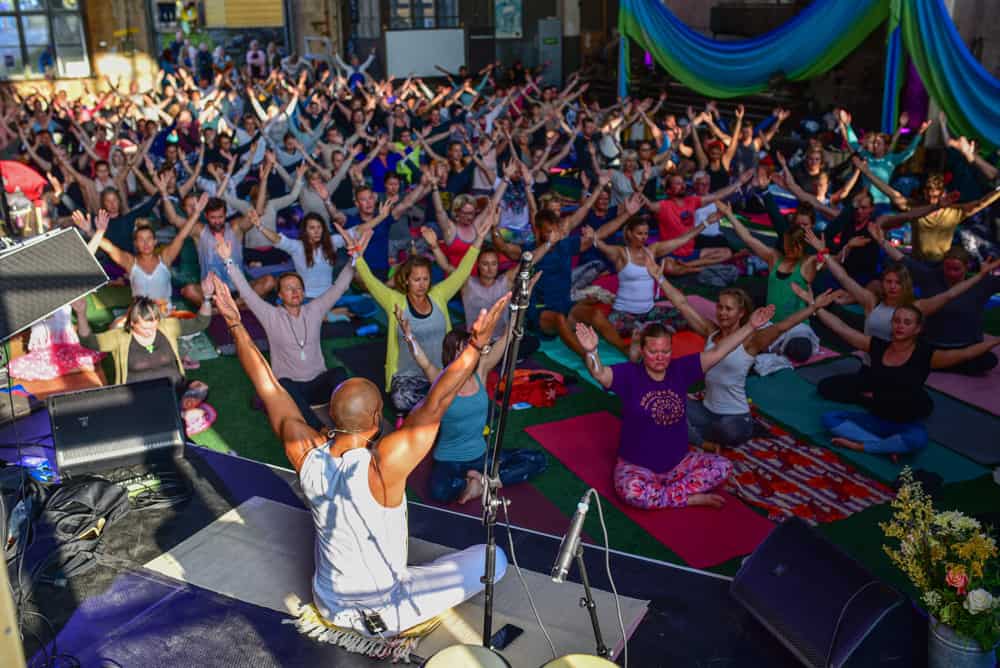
(355, 481)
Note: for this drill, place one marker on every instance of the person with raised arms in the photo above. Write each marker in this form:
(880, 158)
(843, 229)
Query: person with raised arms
(655, 469)
(354, 482)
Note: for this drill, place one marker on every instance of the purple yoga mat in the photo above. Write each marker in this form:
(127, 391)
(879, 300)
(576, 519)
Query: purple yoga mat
(981, 391)
(219, 332)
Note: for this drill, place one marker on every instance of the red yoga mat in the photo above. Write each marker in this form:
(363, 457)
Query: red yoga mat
(528, 507)
(702, 537)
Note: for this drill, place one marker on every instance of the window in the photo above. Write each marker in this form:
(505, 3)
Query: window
(39, 36)
(419, 14)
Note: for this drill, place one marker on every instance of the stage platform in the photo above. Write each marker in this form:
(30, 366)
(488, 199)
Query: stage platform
(123, 614)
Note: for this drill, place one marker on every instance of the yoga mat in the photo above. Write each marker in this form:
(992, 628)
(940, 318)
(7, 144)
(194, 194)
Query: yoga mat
(269, 270)
(791, 399)
(528, 508)
(198, 347)
(790, 478)
(981, 391)
(219, 332)
(275, 542)
(954, 424)
(587, 445)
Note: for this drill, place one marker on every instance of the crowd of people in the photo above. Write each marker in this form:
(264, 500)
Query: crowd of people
(424, 195)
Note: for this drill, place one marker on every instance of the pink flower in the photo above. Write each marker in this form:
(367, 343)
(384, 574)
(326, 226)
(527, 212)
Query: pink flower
(957, 578)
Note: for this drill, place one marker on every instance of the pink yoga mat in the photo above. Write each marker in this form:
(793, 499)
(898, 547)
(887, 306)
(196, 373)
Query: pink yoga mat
(706, 309)
(528, 507)
(981, 391)
(587, 445)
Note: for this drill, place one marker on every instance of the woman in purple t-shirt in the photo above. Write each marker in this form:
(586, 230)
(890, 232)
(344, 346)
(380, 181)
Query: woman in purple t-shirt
(655, 468)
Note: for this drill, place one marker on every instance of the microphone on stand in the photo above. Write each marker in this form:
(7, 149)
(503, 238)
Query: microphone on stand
(521, 293)
(571, 541)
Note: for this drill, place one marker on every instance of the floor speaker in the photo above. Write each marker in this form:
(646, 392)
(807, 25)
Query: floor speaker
(42, 275)
(105, 428)
(821, 604)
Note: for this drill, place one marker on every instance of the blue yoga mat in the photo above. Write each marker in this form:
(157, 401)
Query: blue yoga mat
(791, 399)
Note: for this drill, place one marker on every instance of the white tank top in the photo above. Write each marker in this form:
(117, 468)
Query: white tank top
(635, 288)
(726, 382)
(360, 551)
(878, 323)
(155, 286)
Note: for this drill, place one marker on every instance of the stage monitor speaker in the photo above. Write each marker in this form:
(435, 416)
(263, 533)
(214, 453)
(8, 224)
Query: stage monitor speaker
(42, 275)
(105, 428)
(821, 604)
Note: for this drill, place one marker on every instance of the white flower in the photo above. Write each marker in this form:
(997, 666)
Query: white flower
(978, 600)
(932, 600)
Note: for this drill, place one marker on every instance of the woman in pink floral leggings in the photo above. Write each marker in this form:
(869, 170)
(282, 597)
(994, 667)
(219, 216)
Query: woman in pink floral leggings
(655, 468)
(696, 474)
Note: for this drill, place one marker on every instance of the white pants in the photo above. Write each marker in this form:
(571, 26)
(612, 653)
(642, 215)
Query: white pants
(427, 590)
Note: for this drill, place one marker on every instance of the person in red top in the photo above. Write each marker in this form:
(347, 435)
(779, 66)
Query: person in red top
(675, 216)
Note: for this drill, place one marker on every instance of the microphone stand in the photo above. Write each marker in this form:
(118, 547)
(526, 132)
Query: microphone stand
(587, 601)
(491, 500)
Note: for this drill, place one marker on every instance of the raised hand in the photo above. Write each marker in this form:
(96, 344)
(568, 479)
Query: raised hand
(201, 203)
(224, 301)
(510, 169)
(208, 285)
(816, 242)
(481, 332)
(989, 265)
(724, 207)
(762, 316)
(385, 208)
(101, 222)
(254, 218)
(84, 222)
(904, 119)
(634, 203)
(858, 242)
(925, 125)
(825, 299)
(876, 232)
(587, 337)
(429, 235)
(739, 111)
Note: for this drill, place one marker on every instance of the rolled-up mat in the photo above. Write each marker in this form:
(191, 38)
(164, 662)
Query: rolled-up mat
(954, 424)
(703, 537)
(792, 400)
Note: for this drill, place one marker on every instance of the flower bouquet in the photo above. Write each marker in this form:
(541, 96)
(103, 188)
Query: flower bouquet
(950, 559)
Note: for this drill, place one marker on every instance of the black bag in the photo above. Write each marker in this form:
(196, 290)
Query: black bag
(66, 536)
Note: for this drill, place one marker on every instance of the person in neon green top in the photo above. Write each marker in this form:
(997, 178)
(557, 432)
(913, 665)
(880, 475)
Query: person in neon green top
(788, 268)
(425, 305)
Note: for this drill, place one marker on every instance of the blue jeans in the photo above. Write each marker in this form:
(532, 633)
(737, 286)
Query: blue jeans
(516, 466)
(878, 436)
(704, 425)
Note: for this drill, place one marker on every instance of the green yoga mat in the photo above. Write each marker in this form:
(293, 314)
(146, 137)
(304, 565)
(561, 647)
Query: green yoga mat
(789, 398)
(557, 351)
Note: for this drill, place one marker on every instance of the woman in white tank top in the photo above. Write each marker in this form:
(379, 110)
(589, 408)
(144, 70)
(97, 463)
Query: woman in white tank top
(635, 262)
(723, 417)
(149, 273)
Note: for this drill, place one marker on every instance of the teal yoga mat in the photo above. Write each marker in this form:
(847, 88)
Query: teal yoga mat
(557, 351)
(791, 399)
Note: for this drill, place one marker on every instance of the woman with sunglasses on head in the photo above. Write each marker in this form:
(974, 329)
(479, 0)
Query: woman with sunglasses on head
(655, 468)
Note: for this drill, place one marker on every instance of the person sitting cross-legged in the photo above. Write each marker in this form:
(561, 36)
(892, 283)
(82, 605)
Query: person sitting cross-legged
(655, 469)
(354, 481)
(293, 333)
(460, 453)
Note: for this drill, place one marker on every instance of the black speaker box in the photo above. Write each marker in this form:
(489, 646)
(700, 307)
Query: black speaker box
(42, 275)
(824, 606)
(117, 426)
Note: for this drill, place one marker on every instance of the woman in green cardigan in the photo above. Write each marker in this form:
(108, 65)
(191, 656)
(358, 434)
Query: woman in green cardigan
(146, 347)
(425, 306)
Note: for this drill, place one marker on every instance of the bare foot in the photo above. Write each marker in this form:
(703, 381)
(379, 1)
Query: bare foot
(710, 500)
(474, 486)
(847, 443)
(709, 446)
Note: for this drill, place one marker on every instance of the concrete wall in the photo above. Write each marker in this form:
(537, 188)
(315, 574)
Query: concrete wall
(317, 18)
(978, 23)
